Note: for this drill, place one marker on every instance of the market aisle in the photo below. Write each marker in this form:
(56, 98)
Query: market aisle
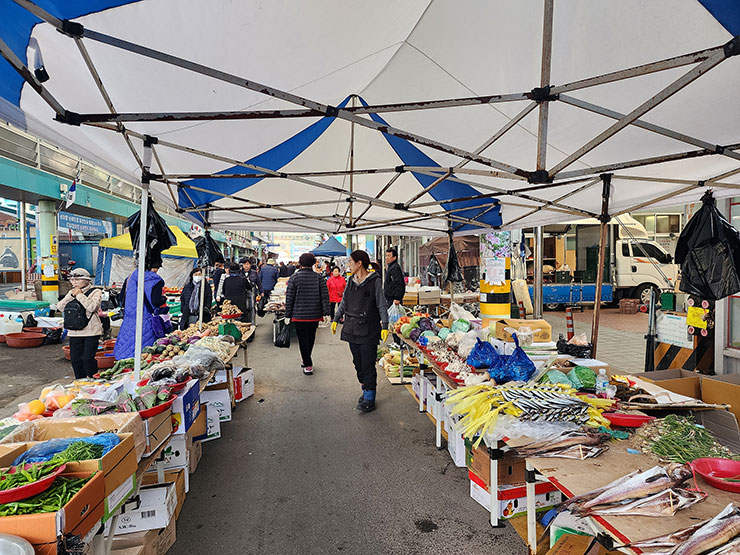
(300, 470)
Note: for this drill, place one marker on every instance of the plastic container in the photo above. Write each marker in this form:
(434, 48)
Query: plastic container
(154, 411)
(29, 490)
(24, 340)
(712, 469)
(105, 359)
(602, 382)
(8, 326)
(175, 387)
(627, 420)
(13, 545)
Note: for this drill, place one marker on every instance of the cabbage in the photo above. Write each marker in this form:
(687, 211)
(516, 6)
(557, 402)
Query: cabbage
(406, 330)
(461, 325)
(428, 334)
(415, 334)
(443, 333)
(415, 320)
(427, 324)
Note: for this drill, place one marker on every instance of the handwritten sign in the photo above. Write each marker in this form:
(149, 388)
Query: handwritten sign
(673, 330)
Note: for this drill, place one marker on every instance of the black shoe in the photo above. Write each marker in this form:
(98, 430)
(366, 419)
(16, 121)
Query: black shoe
(361, 399)
(366, 406)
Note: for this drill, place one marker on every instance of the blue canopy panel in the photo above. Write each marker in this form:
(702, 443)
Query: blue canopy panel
(18, 24)
(727, 12)
(273, 159)
(447, 189)
(330, 247)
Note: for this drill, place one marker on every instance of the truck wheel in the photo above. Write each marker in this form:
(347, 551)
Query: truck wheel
(553, 306)
(642, 293)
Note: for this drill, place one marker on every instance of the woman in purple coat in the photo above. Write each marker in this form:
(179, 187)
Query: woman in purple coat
(153, 299)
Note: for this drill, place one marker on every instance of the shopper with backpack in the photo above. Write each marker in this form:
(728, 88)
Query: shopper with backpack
(80, 308)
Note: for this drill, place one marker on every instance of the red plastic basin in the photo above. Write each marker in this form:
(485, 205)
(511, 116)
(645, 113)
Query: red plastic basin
(712, 469)
(29, 490)
(627, 420)
(154, 411)
(105, 359)
(24, 339)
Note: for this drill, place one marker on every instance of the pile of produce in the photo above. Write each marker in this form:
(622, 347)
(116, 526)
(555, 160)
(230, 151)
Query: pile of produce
(678, 439)
(51, 399)
(480, 405)
(50, 501)
(218, 345)
(69, 449)
(655, 492)
(79, 451)
(391, 363)
(194, 332)
(146, 397)
(717, 536)
(23, 475)
(119, 368)
(168, 373)
(229, 309)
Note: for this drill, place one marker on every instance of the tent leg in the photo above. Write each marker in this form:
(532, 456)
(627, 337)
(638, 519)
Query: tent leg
(607, 180)
(539, 237)
(140, 282)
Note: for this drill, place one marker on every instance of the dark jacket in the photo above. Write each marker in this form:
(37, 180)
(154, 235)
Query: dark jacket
(364, 310)
(306, 298)
(254, 277)
(285, 271)
(394, 287)
(235, 289)
(269, 275)
(187, 292)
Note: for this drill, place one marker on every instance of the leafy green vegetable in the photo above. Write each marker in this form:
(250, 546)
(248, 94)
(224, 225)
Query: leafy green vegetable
(49, 501)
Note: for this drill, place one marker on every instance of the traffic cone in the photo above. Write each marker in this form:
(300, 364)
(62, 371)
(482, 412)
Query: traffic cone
(569, 323)
(522, 312)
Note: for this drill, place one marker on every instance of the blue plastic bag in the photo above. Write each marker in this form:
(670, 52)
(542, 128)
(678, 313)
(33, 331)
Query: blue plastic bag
(514, 367)
(483, 355)
(44, 451)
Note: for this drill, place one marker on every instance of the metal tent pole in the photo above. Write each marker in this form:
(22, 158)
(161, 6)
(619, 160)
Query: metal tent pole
(143, 221)
(538, 261)
(24, 245)
(607, 180)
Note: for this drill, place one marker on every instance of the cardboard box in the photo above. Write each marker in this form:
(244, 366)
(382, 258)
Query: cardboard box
(220, 401)
(430, 391)
(50, 428)
(176, 453)
(543, 331)
(512, 499)
(243, 383)
(176, 477)
(78, 516)
(151, 509)
(683, 382)
(137, 550)
(722, 390)
(11, 452)
(430, 295)
(410, 298)
(455, 440)
(213, 424)
(196, 452)
(570, 544)
(186, 407)
(158, 429)
(154, 542)
(221, 376)
(511, 470)
(200, 425)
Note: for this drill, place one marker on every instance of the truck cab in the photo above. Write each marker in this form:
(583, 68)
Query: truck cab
(642, 265)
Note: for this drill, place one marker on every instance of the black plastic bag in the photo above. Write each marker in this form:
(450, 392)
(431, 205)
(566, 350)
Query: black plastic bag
(30, 322)
(261, 304)
(434, 272)
(578, 351)
(709, 253)
(208, 251)
(282, 339)
(53, 336)
(454, 271)
(158, 235)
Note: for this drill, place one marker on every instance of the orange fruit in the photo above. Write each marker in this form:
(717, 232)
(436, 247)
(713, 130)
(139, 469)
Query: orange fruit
(36, 407)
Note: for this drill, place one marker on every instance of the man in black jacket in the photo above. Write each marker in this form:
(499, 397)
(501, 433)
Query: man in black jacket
(394, 286)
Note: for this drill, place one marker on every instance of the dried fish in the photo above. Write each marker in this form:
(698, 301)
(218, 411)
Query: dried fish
(569, 438)
(664, 503)
(668, 540)
(732, 548)
(715, 533)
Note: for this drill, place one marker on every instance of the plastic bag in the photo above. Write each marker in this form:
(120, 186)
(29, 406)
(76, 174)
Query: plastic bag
(525, 335)
(556, 376)
(457, 312)
(282, 339)
(44, 451)
(461, 325)
(582, 377)
(578, 351)
(54, 336)
(482, 355)
(395, 312)
(708, 250)
(200, 361)
(444, 332)
(467, 343)
(519, 367)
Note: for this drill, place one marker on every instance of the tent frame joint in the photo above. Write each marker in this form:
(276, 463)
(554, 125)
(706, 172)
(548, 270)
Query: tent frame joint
(606, 179)
(400, 169)
(70, 118)
(732, 48)
(72, 29)
(542, 94)
(150, 140)
(400, 206)
(539, 176)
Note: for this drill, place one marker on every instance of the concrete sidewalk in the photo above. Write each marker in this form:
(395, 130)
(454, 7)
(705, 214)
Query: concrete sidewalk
(300, 471)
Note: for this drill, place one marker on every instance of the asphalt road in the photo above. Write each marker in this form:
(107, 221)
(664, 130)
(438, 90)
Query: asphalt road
(300, 470)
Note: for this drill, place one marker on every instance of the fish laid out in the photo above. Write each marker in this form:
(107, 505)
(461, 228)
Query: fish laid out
(717, 533)
(654, 492)
(572, 444)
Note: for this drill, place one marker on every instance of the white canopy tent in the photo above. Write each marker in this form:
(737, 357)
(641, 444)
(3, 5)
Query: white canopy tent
(420, 117)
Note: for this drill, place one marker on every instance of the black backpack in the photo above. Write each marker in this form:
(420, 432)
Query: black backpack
(75, 315)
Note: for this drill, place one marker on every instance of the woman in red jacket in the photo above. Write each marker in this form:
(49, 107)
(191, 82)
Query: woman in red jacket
(336, 284)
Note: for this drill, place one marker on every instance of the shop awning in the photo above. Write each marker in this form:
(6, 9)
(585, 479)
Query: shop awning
(330, 247)
(185, 247)
(408, 119)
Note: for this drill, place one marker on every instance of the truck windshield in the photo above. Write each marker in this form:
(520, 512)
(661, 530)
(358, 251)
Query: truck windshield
(648, 249)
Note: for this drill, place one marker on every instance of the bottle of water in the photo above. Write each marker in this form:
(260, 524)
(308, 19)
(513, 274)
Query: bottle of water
(602, 382)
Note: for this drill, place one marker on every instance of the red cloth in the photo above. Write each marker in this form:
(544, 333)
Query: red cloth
(336, 287)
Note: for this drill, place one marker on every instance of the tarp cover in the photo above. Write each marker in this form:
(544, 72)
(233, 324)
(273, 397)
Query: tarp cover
(469, 163)
(330, 247)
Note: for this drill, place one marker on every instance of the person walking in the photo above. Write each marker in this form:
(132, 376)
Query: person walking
(336, 284)
(284, 270)
(190, 299)
(237, 288)
(365, 316)
(153, 300)
(81, 308)
(394, 286)
(306, 304)
(217, 274)
(268, 277)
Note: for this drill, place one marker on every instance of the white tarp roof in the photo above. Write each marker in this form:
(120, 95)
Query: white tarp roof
(388, 53)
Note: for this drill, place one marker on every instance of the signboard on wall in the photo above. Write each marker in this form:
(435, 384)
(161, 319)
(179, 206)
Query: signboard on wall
(673, 330)
(87, 227)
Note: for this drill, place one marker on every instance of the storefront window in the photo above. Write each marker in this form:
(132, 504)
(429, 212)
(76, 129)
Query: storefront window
(733, 335)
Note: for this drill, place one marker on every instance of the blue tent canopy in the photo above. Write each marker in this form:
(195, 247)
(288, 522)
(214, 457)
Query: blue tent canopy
(330, 247)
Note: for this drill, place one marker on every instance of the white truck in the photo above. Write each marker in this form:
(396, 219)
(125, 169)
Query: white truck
(636, 265)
